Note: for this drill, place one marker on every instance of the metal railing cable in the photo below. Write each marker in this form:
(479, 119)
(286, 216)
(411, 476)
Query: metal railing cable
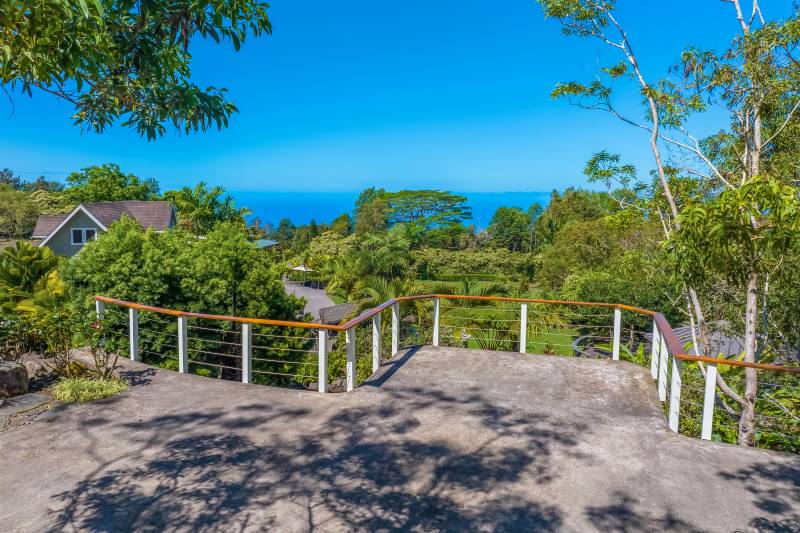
(331, 357)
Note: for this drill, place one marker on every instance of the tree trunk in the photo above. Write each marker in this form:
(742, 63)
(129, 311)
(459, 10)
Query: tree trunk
(747, 422)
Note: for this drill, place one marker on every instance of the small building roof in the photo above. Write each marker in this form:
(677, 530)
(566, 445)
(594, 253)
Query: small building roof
(336, 314)
(265, 243)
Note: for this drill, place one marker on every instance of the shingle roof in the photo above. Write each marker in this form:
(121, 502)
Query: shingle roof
(150, 214)
(336, 314)
(45, 225)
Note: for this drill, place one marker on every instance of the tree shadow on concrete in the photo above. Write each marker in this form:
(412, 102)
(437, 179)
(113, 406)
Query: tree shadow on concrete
(625, 516)
(358, 467)
(776, 491)
(137, 377)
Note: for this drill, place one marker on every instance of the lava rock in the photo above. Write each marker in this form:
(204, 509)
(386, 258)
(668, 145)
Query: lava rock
(13, 379)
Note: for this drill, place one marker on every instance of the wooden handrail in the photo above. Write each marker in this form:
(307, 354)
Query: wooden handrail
(522, 300)
(728, 362)
(668, 334)
(259, 321)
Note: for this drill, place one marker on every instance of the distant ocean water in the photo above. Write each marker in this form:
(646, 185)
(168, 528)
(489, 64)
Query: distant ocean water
(302, 207)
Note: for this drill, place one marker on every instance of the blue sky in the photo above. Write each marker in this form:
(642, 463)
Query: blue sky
(441, 94)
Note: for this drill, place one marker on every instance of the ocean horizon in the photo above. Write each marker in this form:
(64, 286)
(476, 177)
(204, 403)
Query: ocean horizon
(324, 207)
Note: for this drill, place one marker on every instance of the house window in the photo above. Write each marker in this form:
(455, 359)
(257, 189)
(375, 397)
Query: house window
(81, 235)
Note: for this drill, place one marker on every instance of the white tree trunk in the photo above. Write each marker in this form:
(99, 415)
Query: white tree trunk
(747, 422)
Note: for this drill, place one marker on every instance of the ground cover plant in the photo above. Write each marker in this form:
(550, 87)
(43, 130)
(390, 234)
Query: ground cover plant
(84, 389)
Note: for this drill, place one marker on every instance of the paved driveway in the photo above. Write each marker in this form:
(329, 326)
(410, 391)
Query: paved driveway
(316, 299)
(441, 439)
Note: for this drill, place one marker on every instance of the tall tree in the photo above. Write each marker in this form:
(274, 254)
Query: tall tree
(755, 80)
(7, 177)
(18, 213)
(285, 231)
(107, 183)
(371, 211)
(120, 59)
(43, 184)
(509, 227)
(427, 208)
(343, 224)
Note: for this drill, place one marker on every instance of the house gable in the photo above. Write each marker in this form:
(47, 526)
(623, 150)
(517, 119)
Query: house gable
(62, 240)
(87, 220)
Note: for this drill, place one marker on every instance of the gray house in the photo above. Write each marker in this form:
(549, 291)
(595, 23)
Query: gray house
(66, 234)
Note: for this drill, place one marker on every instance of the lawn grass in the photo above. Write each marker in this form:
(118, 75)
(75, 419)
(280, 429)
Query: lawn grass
(337, 299)
(70, 390)
(558, 339)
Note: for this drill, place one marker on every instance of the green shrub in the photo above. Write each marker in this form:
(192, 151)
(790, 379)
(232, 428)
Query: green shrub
(86, 389)
(206, 372)
(168, 364)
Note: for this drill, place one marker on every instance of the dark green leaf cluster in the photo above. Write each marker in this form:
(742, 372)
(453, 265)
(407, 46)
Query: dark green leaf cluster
(124, 59)
(741, 231)
(107, 183)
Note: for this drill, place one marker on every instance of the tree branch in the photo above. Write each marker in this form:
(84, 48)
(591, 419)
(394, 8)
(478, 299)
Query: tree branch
(782, 126)
(59, 93)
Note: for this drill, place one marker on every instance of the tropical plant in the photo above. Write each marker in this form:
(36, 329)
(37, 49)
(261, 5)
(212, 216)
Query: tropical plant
(52, 322)
(200, 208)
(346, 276)
(22, 266)
(377, 290)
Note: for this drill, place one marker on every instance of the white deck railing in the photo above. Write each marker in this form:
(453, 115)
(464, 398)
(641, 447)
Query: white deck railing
(289, 352)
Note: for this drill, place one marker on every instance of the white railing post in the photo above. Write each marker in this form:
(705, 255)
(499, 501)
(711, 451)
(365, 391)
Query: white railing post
(133, 333)
(523, 328)
(436, 314)
(100, 309)
(395, 328)
(247, 351)
(708, 401)
(350, 370)
(617, 333)
(183, 345)
(675, 394)
(376, 342)
(655, 350)
(322, 350)
(662, 370)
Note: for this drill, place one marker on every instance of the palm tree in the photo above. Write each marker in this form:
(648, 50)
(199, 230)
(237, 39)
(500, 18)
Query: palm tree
(478, 320)
(492, 325)
(200, 207)
(385, 255)
(346, 277)
(377, 289)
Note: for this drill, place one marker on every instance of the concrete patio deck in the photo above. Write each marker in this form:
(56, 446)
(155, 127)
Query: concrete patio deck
(440, 439)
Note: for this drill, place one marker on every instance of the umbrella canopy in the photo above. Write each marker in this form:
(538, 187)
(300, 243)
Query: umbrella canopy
(302, 268)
